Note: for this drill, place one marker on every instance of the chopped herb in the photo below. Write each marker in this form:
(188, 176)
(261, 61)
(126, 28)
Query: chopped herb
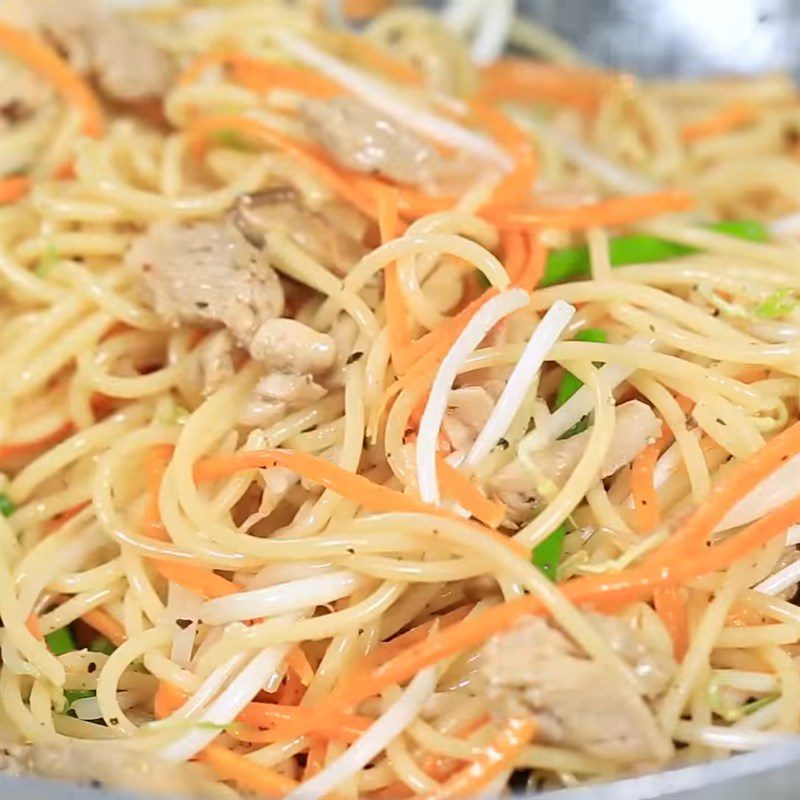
(71, 695)
(227, 137)
(102, 645)
(49, 258)
(7, 505)
(353, 357)
(61, 641)
(547, 555)
(778, 304)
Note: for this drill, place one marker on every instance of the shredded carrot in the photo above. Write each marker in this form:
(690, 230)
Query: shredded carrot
(670, 603)
(535, 264)
(56, 522)
(529, 81)
(734, 484)
(615, 211)
(358, 10)
(514, 253)
(441, 768)
(245, 773)
(389, 225)
(168, 698)
(13, 188)
(12, 450)
(733, 116)
(155, 464)
(32, 624)
(199, 580)
(457, 486)
(44, 60)
(602, 592)
(498, 755)
(291, 690)
(298, 661)
(106, 624)
(315, 760)
(200, 133)
(646, 510)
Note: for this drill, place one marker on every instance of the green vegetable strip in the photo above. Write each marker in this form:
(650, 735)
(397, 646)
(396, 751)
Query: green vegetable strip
(71, 695)
(547, 555)
(778, 304)
(7, 505)
(102, 645)
(569, 383)
(61, 641)
(574, 262)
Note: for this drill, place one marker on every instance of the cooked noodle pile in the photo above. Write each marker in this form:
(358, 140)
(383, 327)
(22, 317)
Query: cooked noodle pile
(383, 416)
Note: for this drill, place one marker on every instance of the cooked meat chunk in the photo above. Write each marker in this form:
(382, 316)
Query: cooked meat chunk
(291, 346)
(216, 360)
(361, 139)
(85, 763)
(521, 484)
(468, 410)
(292, 390)
(208, 274)
(125, 64)
(578, 703)
(331, 234)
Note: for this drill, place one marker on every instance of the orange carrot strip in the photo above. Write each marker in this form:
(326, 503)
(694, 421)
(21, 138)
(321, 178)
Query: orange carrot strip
(735, 483)
(56, 522)
(200, 133)
(527, 81)
(498, 755)
(735, 115)
(247, 774)
(396, 313)
(9, 450)
(670, 603)
(32, 624)
(646, 511)
(358, 10)
(514, 253)
(44, 60)
(155, 464)
(106, 624)
(168, 698)
(298, 661)
(199, 580)
(457, 486)
(13, 188)
(533, 269)
(606, 592)
(315, 760)
(615, 211)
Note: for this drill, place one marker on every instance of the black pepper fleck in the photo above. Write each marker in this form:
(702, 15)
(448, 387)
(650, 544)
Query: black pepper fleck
(201, 304)
(113, 721)
(183, 623)
(353, 357)
(721, 422)
(91, 667)
(95, 784)
(351, 550)
(503, 443)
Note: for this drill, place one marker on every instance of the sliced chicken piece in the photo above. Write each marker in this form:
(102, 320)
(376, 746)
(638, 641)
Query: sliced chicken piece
(331, 234)
(361, 139)
(535, 669)
(291, 346)
(292, 390)
(543, 473)
(217, 365)
(469, 409)
(125, 64)
(91, 764)
(207, 274)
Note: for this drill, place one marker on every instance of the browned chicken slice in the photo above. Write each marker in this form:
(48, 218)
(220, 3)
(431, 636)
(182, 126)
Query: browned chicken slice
(331, 234)
(207, 274)
(361, 139)
(124, 63)
(522, 484)
(578, 703)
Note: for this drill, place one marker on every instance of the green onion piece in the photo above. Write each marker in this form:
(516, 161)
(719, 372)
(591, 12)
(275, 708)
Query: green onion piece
(574, 262)
(569, 383)
(778, 304)
(7, 505)
(547, 555)
(102, 645)
(227, 137)
(71, 695)
(49, 259)
(61, 641)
